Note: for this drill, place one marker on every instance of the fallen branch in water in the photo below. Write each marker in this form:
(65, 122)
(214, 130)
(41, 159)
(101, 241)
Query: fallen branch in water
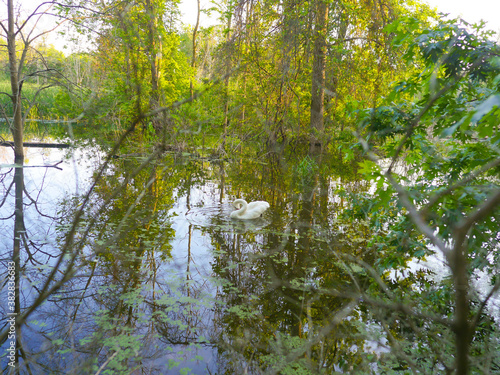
(36, 144)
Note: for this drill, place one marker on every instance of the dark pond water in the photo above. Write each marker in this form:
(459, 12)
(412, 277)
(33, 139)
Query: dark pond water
(163, 281)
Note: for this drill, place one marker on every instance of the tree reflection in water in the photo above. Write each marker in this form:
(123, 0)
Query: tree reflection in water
(156, 273)
(154, 276)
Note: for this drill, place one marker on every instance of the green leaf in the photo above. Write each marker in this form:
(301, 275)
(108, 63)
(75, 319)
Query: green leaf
(485, 107)
(449, 131)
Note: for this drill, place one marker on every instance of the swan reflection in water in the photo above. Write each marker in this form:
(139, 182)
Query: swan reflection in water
(248, 211)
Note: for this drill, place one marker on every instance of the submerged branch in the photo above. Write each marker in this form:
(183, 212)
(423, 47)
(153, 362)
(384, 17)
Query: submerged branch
(36, 144)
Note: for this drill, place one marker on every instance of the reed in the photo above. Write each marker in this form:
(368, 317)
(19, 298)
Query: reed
(46, 100)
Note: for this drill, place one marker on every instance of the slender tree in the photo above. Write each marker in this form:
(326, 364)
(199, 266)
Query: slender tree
(195, 46)
(16, 125)
(318, 72)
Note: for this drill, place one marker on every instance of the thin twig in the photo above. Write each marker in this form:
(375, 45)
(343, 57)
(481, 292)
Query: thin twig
(103, 366)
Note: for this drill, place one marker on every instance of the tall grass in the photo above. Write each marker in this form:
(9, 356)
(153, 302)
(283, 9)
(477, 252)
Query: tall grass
(47, 106)
(45, 101)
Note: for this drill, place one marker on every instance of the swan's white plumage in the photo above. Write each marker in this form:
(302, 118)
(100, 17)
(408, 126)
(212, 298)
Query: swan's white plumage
(247, 211)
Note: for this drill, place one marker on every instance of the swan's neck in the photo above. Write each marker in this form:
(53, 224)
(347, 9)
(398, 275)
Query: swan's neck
(241, 205)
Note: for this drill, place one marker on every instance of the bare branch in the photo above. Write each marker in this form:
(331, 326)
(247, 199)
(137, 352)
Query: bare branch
(5, 30)
(416, 216)
(470, 177)
(6, 93)
(484, 302)
(33, 14)
(413, 213)
(484, 210)
(414, 123)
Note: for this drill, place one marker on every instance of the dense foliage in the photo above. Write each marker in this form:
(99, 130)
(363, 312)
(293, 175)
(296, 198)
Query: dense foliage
(438, 136)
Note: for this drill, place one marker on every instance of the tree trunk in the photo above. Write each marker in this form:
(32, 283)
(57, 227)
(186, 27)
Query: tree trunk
(461, 324)
(318, 74)
(16, 126)
(226, 86)
(154, 52)
(16, 253)
(193, 58)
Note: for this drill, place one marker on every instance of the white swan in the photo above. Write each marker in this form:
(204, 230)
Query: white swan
(247, 211)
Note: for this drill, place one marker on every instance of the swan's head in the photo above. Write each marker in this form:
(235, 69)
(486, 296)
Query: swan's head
(240, 203)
